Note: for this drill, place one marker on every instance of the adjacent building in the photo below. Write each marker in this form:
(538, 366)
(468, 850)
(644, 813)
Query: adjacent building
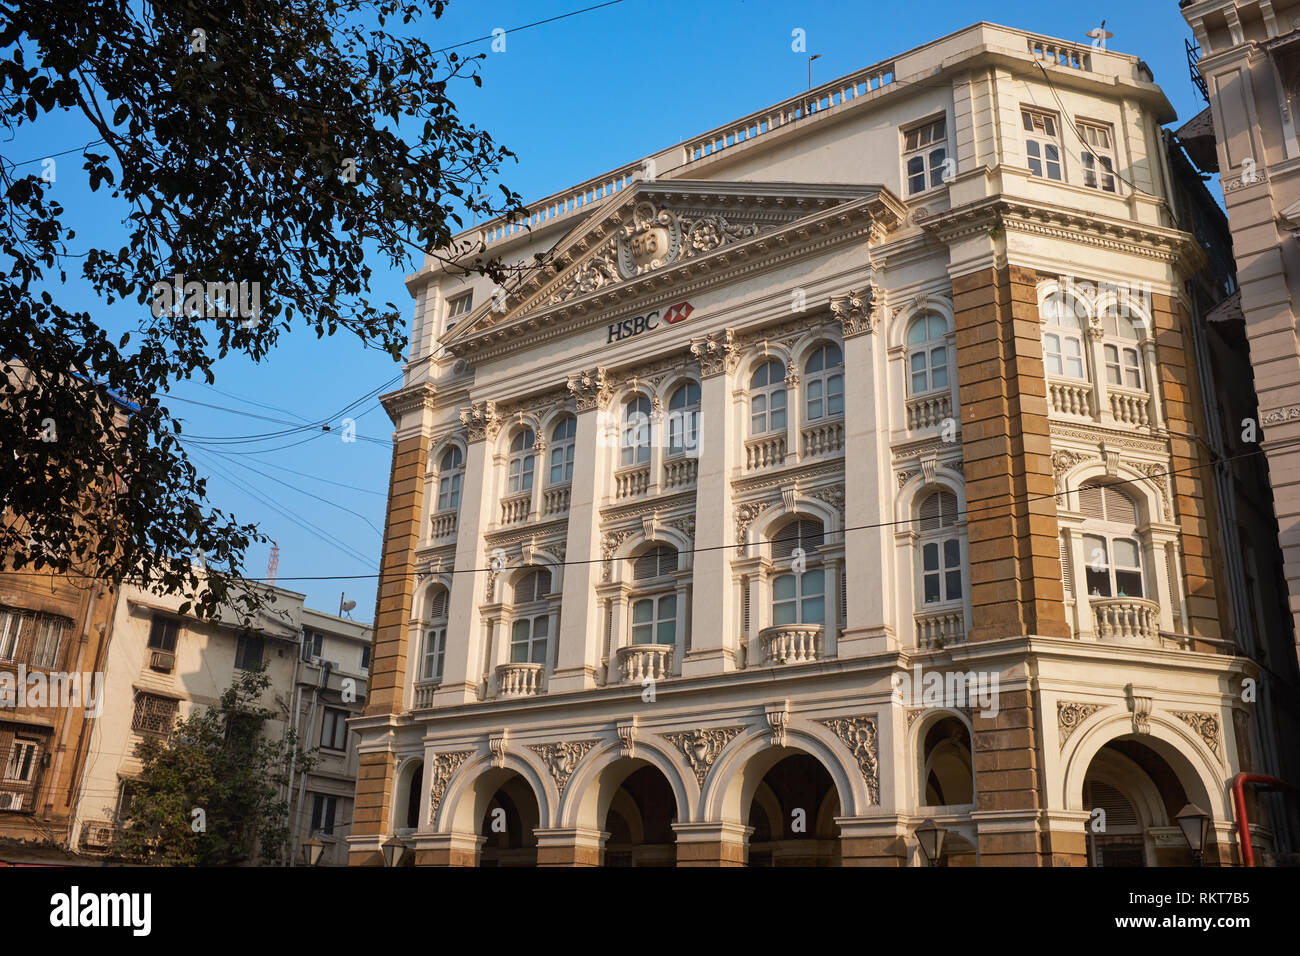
(838, 477)
(162, 664)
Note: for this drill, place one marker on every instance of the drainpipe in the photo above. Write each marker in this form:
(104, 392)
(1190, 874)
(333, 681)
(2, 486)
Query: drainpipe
(321, 683)
(1239, 807)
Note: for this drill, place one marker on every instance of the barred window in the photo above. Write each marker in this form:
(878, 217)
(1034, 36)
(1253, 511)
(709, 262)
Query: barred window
(154, 714)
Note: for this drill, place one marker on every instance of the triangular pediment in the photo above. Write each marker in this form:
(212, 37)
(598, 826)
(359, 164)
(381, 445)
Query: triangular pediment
(655, 232)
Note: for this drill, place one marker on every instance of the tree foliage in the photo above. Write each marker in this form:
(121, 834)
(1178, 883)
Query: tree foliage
(212, 792)
(245, 141)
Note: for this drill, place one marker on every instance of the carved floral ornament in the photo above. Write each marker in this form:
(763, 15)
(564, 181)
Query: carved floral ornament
(591, 389)
(1069, 715)
(441, 768)
(562, 758)
(1206, 725)
(481, 421)
(701, 748)
(860, 734)
(654, 237)
(717, 352)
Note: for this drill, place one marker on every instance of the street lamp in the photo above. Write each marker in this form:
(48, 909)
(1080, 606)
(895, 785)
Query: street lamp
(1195, 824)
(930, 837)
(393, 851)
(312, 850)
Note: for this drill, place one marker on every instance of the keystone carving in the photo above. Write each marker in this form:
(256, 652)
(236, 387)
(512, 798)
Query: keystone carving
(778, 720)
(497, 744)
(627, 733)
(1140, 707)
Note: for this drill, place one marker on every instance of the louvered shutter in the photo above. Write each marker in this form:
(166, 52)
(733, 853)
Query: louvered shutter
(806, 534)
(938, 511)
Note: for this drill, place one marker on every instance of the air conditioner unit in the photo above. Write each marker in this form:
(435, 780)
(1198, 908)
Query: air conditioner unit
(98, 835)
(162, 661)
(11, 801)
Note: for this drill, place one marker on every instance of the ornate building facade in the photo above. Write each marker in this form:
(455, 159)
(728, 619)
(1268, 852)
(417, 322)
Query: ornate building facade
(836, 472)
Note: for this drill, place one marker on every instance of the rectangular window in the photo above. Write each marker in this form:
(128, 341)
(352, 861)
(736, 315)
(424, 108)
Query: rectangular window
(313, 643)
(1123, 367)
(941, 571)
(434, 648)
(1042, 143)
(334, 729)
(925, 154)
(45, 647)
(162, 634)
(449, 492)
(1098, 156)
(322, 813)
(153, 714)
(21, 765)
(248, 652)
(365, 658)
(528, 640)
(458, 307)
(11, 627)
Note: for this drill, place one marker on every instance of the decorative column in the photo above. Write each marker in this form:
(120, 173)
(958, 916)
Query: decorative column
(580, 635)
(472, 586)
(714, 637)
(869, 562)
(569, 846)
(1096, 358)
(793, 414)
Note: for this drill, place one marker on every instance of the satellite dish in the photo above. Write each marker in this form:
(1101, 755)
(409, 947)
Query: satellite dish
(349, 605)
(1099, 35)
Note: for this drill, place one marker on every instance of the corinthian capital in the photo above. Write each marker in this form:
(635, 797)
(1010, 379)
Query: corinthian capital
(856, 312)
(590, 389)
(481, 420)
(716, 352)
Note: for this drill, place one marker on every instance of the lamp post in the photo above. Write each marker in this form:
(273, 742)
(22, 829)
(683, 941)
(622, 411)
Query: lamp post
(393, 851)
(1195, 824)
(930, 836)
(312, 850)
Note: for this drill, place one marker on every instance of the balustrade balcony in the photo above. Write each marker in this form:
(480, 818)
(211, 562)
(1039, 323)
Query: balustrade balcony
(924, 411)
(519, 680)
(639, 662)
(824, 437)
(791, 643)
(1126, 619)
(1071, 398)
(765, 451)
(939, 627)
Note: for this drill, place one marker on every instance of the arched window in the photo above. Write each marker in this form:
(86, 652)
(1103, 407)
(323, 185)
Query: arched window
(1111, 545)
(562, 450)
(521, 461)
(799, 595)
(636, 431)
(947, 770)
(940, 548)
(654, 605)
(1121, 336)
(1063, 337)
(824, 382)
(767, 398)
(532, 625)
(435, 637)
(450, 471)
(927, 354)
(684, 419)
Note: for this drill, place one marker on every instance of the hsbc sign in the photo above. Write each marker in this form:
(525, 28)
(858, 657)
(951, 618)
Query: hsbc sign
(626, 328)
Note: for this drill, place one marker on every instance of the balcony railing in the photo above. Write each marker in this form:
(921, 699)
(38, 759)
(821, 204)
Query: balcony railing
(639, 662)
(1130, 408)
(1126, 619)
(765, 451)
(680, 472)
(824, 438)
(924, 411)
(162, 661)
(1071, 398)
(791, 643)
(939, 627)
(515, 508)
(631, 482)
(443, 524)
(423, 696)
(1060, 54)
(519, 680)
(555, 500)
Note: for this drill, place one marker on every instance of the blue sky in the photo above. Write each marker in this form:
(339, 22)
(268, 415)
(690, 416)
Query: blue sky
(572, 98)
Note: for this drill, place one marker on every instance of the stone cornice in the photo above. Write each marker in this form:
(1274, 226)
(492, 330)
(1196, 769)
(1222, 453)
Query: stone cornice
(1059, 222)
(414, 397)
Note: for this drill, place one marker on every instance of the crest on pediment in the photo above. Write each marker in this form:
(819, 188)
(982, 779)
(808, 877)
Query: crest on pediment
(653, 238)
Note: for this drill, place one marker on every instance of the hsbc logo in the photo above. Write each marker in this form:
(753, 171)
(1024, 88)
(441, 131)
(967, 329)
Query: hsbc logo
(627, 328)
